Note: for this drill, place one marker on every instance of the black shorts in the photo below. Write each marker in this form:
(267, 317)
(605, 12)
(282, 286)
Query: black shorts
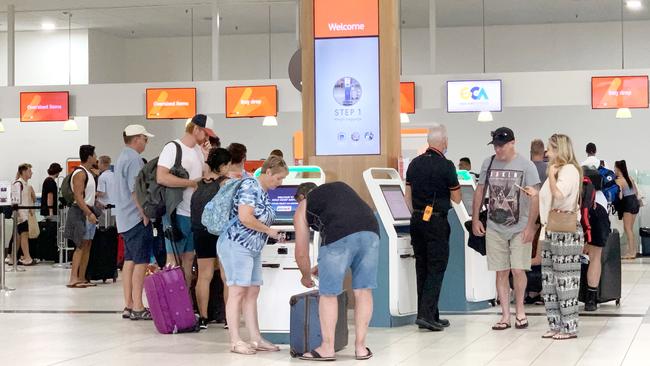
(205, 244)
(600, 226)
(23, 227)
(631, 204)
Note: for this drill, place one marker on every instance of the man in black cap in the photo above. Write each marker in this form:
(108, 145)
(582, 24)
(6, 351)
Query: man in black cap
(431, 185)
(194, 148)
(511, 179)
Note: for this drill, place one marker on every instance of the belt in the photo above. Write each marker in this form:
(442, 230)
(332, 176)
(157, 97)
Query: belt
(434, 213)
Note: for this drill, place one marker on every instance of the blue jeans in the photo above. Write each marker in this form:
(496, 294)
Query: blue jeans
(184, 226)
(359, 252)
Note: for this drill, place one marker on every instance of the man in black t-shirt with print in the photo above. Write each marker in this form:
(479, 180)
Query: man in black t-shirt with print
(431, 185)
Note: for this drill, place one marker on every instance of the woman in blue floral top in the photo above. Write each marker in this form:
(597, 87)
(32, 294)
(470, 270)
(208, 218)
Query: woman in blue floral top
(240, 252)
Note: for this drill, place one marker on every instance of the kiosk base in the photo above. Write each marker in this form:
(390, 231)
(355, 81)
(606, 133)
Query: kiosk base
(277, 338)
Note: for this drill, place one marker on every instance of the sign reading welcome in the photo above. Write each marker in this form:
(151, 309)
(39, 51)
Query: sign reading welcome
(44, 106)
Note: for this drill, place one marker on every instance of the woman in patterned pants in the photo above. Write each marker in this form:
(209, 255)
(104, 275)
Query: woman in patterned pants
(561, 250)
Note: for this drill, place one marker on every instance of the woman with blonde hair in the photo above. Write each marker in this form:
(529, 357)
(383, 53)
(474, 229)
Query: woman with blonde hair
(240, 251)
(561, 244)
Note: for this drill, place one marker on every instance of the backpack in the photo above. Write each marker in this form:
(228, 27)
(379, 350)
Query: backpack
(67, 196)
(609, 187)
(588, 200)
(149, 193)
(216, 214)
(203, 194)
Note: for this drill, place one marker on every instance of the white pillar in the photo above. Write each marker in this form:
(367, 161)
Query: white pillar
(432, 35)
(215, 40)
(11, 45)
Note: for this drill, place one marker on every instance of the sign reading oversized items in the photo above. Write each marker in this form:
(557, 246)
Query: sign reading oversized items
(251, 101)
(407, 97)
(611, 92)
(171, 103)
(44, 106)
(346, 77)
(5, 193)
(474, 96)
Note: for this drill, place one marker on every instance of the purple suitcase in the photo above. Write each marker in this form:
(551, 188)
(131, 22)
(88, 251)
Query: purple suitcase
(169, 301)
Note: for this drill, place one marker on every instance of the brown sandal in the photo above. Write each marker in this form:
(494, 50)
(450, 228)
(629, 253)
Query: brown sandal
(564, 336)
(550, 334)
(521, 323)
(242, 348)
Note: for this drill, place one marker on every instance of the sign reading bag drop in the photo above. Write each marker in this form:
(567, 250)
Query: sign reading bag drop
(474, 96)
(346, 77)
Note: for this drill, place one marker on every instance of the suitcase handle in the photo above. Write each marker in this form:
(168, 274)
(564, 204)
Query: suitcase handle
(271, 265)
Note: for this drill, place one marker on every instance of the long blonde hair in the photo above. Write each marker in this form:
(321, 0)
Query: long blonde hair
(564, 153)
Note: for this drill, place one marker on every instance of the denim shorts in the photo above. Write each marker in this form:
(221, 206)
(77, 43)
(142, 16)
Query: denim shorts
(184, 225)
(138, 244)
(359, 252)
(89, 234)
(243, 266)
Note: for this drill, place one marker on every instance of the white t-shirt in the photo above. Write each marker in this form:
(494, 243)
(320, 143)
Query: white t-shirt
(89, 193)
(192, 161)
(568, 182)
(106, 180)
(591, 161)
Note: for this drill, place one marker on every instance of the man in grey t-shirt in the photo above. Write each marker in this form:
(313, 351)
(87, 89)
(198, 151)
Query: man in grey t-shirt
(511, 227)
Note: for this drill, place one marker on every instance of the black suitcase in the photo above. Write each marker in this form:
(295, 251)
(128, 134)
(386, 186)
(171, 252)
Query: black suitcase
(609, 288)
(102, 263)
(47, 248)
(304, 333)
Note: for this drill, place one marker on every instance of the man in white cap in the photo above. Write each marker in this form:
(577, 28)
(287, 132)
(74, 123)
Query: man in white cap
(194, 147)
(132, 223)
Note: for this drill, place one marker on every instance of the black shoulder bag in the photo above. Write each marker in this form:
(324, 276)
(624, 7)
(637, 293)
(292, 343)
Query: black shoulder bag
(478, 242)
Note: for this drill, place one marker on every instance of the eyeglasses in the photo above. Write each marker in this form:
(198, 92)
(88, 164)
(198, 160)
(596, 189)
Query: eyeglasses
(146, 139)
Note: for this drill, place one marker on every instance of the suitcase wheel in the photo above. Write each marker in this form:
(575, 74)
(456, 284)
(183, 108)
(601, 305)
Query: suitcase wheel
(618, 302)
(104, 280)
(293, 353)
(493, 303)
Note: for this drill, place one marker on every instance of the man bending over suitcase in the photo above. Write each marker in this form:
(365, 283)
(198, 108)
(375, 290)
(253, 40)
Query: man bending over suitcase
(350, 239)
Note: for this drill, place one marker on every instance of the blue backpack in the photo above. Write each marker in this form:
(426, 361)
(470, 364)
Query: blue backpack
(216, 214)
(609, 187)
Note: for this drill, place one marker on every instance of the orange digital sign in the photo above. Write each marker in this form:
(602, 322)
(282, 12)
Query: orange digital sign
(611, 92)
(171, 103)
(44, 106)
(407, 97)
(346, 18)
(251, 101)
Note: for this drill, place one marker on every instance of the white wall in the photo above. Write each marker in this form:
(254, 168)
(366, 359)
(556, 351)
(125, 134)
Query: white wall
(106, 58)
(105, 134)
(39, 144)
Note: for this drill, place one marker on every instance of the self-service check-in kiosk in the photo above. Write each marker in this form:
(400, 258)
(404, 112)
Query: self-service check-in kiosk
(468, 285)
(395, 299)
(279, 268)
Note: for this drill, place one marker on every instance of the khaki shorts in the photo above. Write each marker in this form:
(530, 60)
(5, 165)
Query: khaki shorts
(504, 254)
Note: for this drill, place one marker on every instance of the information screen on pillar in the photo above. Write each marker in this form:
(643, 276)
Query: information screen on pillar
(407, 97)
(251, 101)
(283, 203)
(612, 92)
(474, 96)
(347, 96)
(467, 196)
(396, 202)
(44, 106)
(171, 103)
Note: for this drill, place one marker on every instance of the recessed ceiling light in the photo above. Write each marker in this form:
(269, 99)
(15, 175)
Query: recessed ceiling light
(634, 4)
(48, 26)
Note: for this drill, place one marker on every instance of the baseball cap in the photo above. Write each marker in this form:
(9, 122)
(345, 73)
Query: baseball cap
(135, 130)
(502, 136)
(205, 123)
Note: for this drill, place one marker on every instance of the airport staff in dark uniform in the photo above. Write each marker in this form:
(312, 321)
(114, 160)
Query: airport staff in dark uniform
(431, 185)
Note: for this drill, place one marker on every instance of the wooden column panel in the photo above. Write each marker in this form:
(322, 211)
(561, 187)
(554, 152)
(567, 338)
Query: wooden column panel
(350, 169)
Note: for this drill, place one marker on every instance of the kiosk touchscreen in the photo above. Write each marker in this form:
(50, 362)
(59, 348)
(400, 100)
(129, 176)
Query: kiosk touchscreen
(279, 268)
(468, 285)
(395, 298)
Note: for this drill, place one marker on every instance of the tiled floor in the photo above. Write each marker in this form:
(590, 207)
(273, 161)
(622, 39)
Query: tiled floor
(45, 323)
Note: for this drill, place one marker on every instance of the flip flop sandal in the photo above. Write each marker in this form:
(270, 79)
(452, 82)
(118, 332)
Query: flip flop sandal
(76, 285)
(126, 313)
(242, 348)
(550, 334)
(264, 346)
(366, 357)
(90, 284)
(501, 326)
(521, 323)
(564, 336)
(315, 356)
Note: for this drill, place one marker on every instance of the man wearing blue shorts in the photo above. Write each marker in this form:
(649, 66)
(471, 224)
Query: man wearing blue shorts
(132, 223)
(350, 239)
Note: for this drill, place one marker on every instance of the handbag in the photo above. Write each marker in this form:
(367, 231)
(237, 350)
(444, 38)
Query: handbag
(478, 242)
(563, 221)
(34, 231)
